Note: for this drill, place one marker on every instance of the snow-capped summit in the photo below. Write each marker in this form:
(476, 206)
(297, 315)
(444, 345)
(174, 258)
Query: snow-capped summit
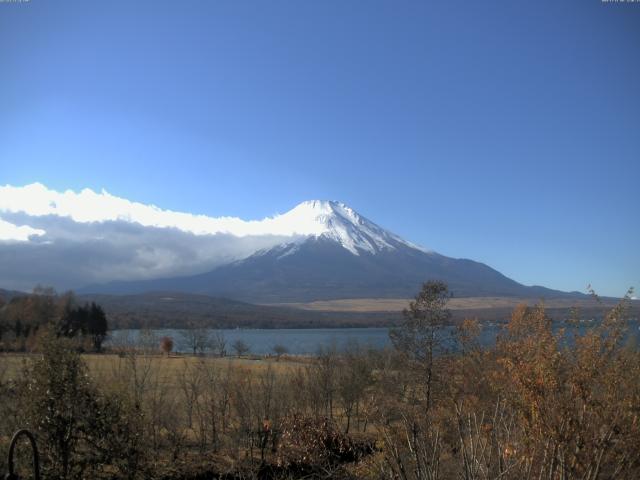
(340, 223)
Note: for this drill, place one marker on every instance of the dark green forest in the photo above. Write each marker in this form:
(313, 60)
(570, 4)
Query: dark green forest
(24, 319)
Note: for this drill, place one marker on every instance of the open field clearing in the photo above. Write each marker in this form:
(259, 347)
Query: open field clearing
(467, 303)
(107, 366)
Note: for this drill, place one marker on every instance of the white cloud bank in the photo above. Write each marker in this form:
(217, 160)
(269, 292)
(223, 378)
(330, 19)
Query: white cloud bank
(73, 239)
(14, 233)
(86, 206)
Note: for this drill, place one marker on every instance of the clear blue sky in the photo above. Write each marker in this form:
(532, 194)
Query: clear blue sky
(503, 131)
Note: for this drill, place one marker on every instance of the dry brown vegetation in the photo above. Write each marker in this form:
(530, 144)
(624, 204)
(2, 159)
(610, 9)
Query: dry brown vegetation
(534, 406)
(463, 303)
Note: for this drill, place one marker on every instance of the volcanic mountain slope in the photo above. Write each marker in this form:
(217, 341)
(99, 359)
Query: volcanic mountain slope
(336, 253)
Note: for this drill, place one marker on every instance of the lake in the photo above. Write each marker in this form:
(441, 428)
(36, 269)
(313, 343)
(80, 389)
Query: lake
(300, 341)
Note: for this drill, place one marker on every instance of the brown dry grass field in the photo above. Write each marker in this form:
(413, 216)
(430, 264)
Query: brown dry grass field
(105, 366)
(468, 303)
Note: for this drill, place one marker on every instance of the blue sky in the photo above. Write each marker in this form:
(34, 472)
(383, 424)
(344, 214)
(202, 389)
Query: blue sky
(507, 132)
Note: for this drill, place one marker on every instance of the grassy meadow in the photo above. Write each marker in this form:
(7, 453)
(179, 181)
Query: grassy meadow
(168, 367)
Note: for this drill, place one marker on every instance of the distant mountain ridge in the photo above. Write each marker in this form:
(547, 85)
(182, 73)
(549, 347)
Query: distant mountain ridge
(7, 295)
(335, 253)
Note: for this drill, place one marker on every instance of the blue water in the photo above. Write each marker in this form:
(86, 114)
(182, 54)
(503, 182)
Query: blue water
(301, 341)
(298, 341)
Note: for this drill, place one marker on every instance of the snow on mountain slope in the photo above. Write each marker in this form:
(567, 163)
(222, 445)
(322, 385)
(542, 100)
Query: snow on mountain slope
(340, 223)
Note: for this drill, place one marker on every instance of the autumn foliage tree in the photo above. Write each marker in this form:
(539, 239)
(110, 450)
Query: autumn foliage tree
(572, 394)
(166, 345)
(550, 400)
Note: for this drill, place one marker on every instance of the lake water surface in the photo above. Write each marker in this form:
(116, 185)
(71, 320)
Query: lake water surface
(300, 341)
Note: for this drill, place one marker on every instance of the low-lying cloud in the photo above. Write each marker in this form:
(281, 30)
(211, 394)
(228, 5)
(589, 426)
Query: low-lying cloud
(14, 233)
(69, 240)
(87, 206)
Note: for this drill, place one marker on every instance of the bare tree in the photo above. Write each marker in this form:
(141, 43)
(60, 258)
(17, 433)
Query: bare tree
(198, 339)
(240, 347)
(324, 373)
(147, 341)
(280, 350)
(190, 383)
(418, 336)
(354, 376)
(218, 343)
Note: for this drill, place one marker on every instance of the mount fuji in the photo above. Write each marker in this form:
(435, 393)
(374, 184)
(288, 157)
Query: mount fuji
(333, 253)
